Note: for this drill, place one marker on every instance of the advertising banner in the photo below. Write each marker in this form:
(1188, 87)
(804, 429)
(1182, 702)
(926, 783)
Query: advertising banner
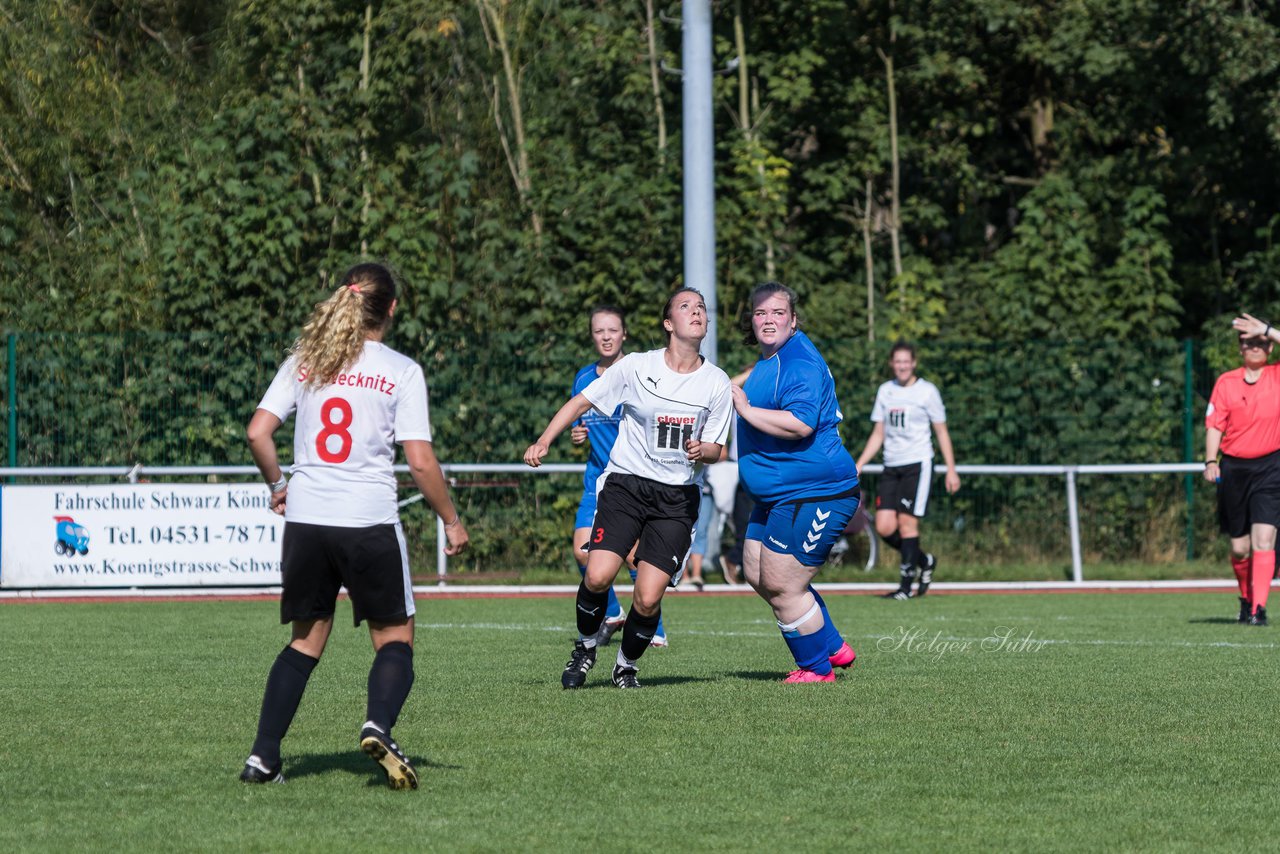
(138, 535)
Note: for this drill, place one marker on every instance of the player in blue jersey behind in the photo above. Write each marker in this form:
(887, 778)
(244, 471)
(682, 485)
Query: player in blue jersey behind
(804, 483)
(608, 332)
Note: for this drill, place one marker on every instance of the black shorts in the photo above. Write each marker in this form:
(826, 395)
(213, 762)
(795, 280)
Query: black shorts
(905, 488)
(1248, 493)
(660, 517)
(372, 563)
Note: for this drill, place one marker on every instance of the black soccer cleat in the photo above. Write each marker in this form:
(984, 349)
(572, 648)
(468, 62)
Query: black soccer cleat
(926, 574)
(899, 594)
(381, 749)
(1259, 617)
(625, 677)
(580, 664)
(1245, 611)
(256, 771)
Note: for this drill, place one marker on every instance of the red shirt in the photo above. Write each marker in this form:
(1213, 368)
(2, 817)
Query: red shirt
(1248, 414)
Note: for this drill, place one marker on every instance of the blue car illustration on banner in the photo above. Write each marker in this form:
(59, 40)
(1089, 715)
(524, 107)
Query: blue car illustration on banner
(72, 538)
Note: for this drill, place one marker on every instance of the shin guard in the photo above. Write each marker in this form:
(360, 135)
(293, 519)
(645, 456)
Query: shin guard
(591, 611)
(1241, 567)
(638, 632)
(285, 685)
(390, 679)
(1261, 573)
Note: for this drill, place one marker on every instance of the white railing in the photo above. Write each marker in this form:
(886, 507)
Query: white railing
(1069, 473)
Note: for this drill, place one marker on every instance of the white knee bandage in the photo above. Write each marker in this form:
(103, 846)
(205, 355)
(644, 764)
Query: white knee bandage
(788, 628)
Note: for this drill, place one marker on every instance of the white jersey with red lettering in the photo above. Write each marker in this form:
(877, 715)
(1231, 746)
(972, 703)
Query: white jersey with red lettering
(908, 413)
(662, 409)
(345, 436)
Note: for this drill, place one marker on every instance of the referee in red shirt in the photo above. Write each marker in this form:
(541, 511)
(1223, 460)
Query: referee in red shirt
(1243, 422)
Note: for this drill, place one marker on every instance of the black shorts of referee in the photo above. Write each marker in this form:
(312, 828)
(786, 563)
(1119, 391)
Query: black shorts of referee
(1248, 493)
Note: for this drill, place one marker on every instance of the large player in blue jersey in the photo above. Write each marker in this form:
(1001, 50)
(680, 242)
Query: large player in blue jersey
(608, 332)
(805, 485)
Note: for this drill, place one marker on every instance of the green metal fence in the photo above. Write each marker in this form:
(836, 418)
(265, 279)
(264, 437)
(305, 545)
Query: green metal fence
(159, 399)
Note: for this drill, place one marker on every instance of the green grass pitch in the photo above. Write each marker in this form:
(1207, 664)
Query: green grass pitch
(1099, 722)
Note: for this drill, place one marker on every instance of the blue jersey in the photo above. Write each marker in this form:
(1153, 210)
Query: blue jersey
(602, 431)
(795, 379)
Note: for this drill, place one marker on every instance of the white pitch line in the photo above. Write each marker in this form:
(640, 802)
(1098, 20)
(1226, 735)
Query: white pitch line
(924, 638)
(428, 590)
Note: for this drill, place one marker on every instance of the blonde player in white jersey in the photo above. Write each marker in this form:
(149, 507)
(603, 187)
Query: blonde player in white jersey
(677, 407)
(905, 409)
(355, 399)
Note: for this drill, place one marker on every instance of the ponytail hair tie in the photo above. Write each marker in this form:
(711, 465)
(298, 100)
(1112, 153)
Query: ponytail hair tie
(355, 288)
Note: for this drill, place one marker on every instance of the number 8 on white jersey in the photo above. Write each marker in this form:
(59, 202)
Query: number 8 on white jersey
(345, 436)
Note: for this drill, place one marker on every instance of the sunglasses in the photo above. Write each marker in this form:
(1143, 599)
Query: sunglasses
(1254, 343)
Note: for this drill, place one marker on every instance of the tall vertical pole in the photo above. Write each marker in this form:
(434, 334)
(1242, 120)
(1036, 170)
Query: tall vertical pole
(13, 401)
(1073, 526)
(1188, 449)
(699, 164)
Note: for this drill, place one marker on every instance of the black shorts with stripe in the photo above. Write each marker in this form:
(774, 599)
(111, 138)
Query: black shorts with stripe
(1248, 493)
(372, 563)
(655, 517)
(905, 488)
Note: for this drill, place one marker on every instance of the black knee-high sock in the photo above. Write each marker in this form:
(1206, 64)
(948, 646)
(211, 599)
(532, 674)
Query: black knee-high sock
(591, 610)
(390, 678)
(285, 684)
(910, 555)
(637, 633)
(894, 540)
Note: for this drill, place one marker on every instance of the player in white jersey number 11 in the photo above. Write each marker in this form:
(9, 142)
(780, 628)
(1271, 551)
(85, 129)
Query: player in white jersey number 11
(676, 408)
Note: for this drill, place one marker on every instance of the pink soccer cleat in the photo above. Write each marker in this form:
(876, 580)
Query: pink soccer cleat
(796, 677)
(843, 657)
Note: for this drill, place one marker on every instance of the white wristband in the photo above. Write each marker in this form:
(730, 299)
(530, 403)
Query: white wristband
(279, 486)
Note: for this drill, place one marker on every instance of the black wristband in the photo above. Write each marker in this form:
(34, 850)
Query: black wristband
(1208, 463)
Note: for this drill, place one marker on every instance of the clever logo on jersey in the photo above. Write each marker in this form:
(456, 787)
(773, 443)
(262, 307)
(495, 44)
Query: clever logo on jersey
(897, 418)
(672, 432)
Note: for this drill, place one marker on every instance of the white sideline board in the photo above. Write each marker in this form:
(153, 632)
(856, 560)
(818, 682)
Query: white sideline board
(138, 535)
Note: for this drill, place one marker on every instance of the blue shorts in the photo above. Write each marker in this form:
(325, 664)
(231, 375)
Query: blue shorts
(586, 510)
(805, 528)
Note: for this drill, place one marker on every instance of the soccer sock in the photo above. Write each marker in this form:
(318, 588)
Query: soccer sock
(809, 650)
(285, 684)
(1241, 567)
(638, 632)
(390, 678)
(894, 540)
(1261, 573)
(921, 555)
(910, 555)
(829, 631)
(591, 608)
(660, 630)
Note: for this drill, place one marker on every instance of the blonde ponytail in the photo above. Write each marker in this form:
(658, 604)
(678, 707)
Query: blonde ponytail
(333, 337)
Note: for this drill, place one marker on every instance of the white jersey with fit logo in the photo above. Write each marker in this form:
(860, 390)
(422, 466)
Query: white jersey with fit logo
(661, 410)
(344, 439)
(908, 413)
